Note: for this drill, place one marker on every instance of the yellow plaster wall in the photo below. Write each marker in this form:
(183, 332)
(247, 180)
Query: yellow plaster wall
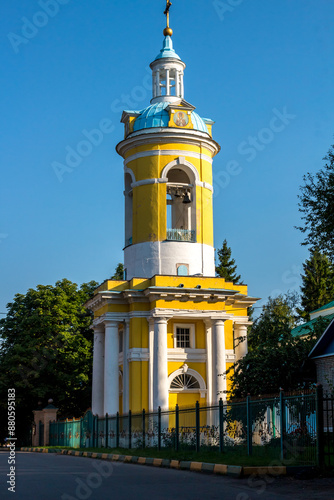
(138, 378)
(228, 330)
(138, 337)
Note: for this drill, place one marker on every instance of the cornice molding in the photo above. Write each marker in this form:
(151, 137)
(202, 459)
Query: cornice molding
(167, 152)
(167, 136)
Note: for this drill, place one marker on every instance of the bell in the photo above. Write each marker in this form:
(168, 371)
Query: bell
(186, 199)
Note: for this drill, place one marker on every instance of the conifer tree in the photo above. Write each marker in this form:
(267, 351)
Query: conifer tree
(317, 283)
(316, 203)
(227, 268)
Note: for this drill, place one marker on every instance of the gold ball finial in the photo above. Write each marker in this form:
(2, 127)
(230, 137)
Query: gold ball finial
(168, 31)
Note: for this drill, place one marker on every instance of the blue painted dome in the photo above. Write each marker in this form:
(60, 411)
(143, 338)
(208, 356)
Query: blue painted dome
(157, 116)
(153, 116)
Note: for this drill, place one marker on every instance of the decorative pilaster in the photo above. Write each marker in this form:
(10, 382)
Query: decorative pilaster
(111, 369)
(98, 371)
(160, 371)
(219, 367)
(241, 347)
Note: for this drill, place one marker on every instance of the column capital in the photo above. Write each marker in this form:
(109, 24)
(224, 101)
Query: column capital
(160, 319)
(111, 323)
(99, 329)
(243, 323)
(217, 321)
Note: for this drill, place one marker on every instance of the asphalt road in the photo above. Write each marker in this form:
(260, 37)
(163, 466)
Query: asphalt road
(55, 477)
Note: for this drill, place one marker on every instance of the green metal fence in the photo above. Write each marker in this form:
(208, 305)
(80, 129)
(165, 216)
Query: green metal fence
(291, 428)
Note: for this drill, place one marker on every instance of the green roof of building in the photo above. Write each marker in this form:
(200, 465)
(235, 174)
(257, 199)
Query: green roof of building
(326, 306)
(308, 327)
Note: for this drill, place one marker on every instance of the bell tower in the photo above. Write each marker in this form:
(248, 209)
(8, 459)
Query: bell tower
(169, 331)
(168, 151)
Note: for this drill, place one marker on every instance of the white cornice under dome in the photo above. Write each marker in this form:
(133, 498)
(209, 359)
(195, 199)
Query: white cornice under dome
(167, 136)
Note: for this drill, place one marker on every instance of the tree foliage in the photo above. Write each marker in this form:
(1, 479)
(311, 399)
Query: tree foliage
(275, 358)
(46, 350)
(119, 272)
(317, 283)
(316, 203)
(227, 268)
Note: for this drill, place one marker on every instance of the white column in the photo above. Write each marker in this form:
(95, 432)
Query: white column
(182, 85)
(177, 83)
(126, 366)
(208, 338)
(98, 371)
(160, 389)
(167, 82)
(241, 347)
(157, 83)
(220, 359)
(154, 83)
(111, 368)
(150, 362)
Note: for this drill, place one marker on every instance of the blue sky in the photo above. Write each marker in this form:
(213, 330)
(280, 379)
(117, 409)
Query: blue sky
(262, 70)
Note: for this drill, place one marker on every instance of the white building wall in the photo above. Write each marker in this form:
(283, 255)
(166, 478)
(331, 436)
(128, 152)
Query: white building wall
(164, 257)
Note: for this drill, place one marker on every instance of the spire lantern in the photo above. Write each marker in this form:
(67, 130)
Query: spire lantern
(167, 69)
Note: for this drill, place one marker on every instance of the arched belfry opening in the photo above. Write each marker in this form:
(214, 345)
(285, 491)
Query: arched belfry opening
(181, 201)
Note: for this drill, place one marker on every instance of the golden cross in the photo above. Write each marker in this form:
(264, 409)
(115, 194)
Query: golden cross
(169, 4)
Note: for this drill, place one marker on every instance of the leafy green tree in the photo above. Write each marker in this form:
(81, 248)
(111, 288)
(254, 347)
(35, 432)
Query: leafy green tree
(46, 351)
(317, 283)
(275, 358)
(119, 273)
(227, 268)
(316, 203)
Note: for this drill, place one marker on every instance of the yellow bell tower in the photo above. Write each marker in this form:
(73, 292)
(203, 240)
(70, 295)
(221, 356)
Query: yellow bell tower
(168, 151)
(168, 332)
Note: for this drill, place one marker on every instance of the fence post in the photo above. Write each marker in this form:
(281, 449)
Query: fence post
(106, 441)
(249, 426)
(282, 421)
(197, 427)
(117, 430)
(221, 426)
(143, 424)
(159, 428)
(319, 405)
(177, 427)
(130, 430)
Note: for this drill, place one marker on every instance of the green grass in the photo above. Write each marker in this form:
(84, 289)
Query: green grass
(268, 456)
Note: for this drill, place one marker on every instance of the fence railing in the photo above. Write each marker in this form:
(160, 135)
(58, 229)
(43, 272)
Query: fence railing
(181, 235)
(296, 429)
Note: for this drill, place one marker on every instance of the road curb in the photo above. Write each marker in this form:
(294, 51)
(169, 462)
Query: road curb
(220, 469)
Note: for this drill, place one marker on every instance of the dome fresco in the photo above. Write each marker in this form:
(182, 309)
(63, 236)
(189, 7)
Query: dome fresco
(156, 115)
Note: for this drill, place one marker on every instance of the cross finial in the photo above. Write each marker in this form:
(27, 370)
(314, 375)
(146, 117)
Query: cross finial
(168, 31)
